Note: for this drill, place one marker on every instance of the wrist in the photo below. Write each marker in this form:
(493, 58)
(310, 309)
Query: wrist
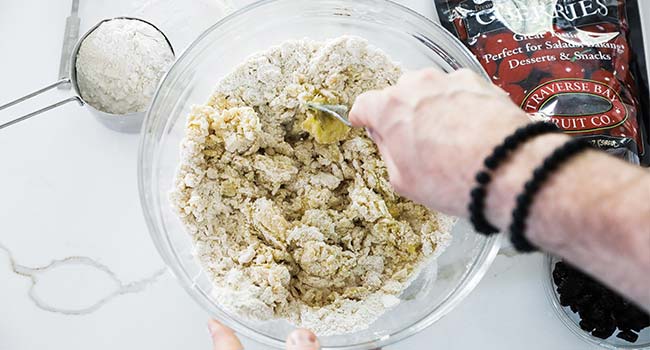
(509, 179)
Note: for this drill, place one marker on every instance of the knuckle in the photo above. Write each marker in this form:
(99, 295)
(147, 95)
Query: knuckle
(366, 97)
(406, 77)
(429, 103)
(418, 76)
(466, 74)
(392, 98)
(459, 97)
(430, 73)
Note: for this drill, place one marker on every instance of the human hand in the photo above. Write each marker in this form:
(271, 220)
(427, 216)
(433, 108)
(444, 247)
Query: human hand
(223, 338)
(434, 130)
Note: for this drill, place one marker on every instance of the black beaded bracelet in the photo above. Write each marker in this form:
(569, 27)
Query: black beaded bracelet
(492, 162)
(540, 175)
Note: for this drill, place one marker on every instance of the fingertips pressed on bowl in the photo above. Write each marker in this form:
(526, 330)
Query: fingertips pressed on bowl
(365, 109)
(223, 338)
(302, 339)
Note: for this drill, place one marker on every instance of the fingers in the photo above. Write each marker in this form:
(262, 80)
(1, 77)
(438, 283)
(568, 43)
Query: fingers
(302, 339)
(394, 174)
(223, 338)
(365, 108)
(370, 106)
(418, 76)
(435, 81)
(468, 81)
(411, 88)
(379, 111)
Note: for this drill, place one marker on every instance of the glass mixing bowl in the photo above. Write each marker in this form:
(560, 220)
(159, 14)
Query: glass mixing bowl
(408, 38)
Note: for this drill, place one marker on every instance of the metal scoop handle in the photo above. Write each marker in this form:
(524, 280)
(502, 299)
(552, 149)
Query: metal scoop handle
(44, 109)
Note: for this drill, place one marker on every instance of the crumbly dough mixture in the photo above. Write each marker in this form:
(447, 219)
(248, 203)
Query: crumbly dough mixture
(289, 226)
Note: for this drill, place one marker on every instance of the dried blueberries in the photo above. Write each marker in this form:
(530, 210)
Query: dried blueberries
(628, 335)
(601, 310)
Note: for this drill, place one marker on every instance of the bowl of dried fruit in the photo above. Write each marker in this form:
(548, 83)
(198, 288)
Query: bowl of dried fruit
(592, 311)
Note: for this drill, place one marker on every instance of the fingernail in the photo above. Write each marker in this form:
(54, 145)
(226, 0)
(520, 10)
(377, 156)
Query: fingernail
(213, 327)
(302, 338)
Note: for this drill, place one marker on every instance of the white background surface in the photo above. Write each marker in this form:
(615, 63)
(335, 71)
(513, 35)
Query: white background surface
(68, 189)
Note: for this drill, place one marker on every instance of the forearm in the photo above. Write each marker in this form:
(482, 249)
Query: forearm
(594, 211)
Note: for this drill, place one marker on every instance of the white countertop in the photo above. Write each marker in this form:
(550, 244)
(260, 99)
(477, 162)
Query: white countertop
(77, 267)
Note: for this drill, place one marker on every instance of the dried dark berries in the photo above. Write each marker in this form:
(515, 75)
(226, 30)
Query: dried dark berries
(601, 310)
(628, 335)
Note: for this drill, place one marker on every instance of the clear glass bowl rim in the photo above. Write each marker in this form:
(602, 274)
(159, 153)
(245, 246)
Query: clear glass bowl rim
(481, 262)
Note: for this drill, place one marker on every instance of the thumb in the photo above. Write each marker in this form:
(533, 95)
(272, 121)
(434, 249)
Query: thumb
(302, 339)
(223, 338)
(366, 108)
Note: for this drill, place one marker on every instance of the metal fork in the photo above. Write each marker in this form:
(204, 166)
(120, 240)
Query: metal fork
(339, 112)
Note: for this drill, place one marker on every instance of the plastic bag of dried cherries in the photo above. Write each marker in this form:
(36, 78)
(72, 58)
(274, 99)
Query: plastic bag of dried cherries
(569, 61)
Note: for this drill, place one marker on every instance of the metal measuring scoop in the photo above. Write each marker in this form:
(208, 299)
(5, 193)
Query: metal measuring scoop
(129, 122)
(339, 112)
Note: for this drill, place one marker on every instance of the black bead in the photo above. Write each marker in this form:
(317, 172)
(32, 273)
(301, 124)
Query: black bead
(500, 152)
(483, 178)
(472, 212)
(522, 244)
(519, 213)
(491, 162)
(516, 227)
(550, 163)
(523, 200)
(478, 192)
(574, 146)
(540, 175)
(539, 172)
(511, 142)
(520, 133)
(531, 186)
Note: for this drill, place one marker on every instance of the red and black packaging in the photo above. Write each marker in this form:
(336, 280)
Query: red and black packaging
(584, 70)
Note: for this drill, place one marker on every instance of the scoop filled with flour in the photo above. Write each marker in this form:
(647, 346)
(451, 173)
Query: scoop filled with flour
(291, 213)
(120, 63)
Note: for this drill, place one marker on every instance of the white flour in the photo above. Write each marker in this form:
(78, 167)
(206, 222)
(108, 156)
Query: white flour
(291, 213)
(119, 65)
